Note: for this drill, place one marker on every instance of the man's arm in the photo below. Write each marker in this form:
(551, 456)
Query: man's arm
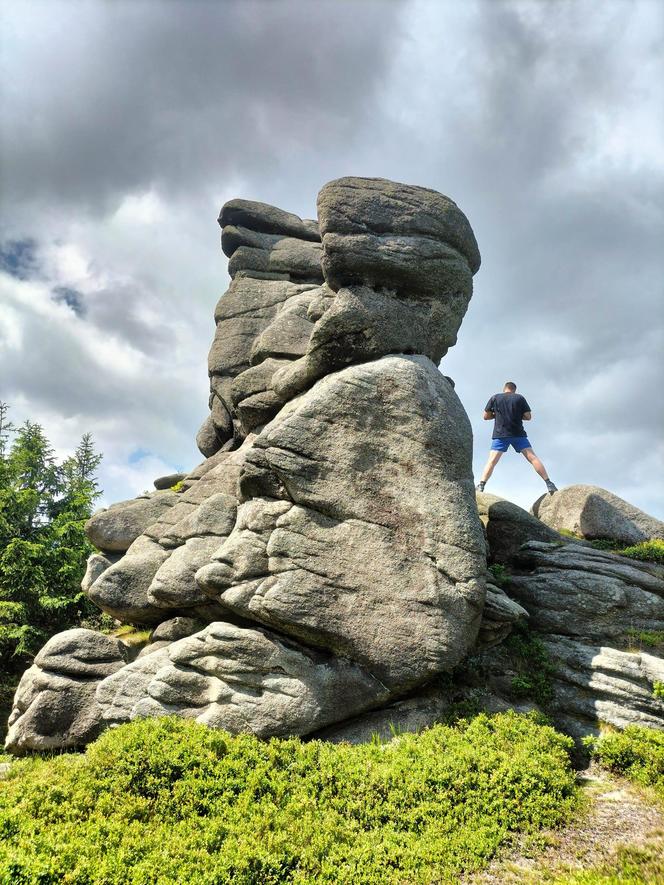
(489, 416)
(527, 416)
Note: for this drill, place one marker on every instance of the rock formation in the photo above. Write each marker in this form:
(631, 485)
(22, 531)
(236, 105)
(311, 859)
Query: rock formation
(323, 571)
(327, 557)
(594, 513)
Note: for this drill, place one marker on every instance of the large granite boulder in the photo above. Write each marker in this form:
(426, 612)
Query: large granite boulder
(401, 261)
(509, 526)
(361, 535)
(327, 558)
(591, 512)
(55, 705)
(115, 529)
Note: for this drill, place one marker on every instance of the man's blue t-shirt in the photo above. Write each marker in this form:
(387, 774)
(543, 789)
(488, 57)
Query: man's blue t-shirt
(509, 409)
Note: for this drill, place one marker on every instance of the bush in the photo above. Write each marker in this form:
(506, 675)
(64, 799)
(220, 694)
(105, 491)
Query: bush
(636, 753)
(648, 551)
(166, 801)
(533, 666)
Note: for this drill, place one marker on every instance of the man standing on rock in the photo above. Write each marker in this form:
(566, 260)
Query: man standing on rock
(509, 410)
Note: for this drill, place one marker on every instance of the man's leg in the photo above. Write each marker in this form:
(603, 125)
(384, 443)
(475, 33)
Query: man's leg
(538, 467)
(494, 458)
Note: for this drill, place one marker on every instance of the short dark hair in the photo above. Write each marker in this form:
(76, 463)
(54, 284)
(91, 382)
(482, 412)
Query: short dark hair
(510, 385)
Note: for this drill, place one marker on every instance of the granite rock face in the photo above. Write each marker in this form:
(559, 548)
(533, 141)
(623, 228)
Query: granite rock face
(508, 526)
(589, 609)
(327, 557)
(55, 706)
(592, 512)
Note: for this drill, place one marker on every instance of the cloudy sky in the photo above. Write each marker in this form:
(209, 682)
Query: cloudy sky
(125, 125)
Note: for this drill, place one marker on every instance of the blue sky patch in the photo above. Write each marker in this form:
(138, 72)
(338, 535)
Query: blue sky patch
(70, 297)
(19, 258)
(138, 455)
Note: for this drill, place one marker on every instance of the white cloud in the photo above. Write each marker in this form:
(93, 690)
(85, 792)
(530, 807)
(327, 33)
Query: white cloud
(128, 125)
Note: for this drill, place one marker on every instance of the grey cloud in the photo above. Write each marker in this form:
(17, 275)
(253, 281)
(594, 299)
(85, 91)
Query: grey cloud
(529, 115)
(167, 94)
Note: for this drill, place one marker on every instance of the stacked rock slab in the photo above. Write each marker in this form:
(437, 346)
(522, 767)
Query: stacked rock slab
(263, 321)
(589, 609)
(327, 557)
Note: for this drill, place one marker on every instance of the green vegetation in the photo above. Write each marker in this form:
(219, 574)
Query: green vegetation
(658, 689)
(632, 865)
(177, 487)
(650, 639)
(648, 551)
(43, 549)
(532, 664)
(637, 753)
(499, 574)
(170, 801)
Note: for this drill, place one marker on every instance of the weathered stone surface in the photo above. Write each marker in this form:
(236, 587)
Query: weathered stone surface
(587, 608)
(267, 219)
(241, 680)
(176, 628)
(410, 266)
(499, 617)
(592, 512)
(578, 591)
(115, 529)
(167, 482)
(380, 558)
(81, 653)
(287, 258)
(377, 206)
(173, 585)
(356, 548)
(55, 705)
(410, 715)
(96, 564)
(508, 526)
(214, 516)
(122, 589)
(597, 684)
(206, 439)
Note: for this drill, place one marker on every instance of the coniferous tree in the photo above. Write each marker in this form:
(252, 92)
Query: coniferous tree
(43, 548)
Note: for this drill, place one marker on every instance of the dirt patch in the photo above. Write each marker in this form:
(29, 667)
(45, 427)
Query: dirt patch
(617, 815)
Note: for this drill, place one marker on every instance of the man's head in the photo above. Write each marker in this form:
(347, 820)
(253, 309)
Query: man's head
(509, 387)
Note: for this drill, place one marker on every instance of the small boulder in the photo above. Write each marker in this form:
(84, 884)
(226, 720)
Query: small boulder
(593, 512)
(508, 526)
(167, 482)
(115, 529)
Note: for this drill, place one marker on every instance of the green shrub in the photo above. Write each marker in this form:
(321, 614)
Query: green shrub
(499, 575)
(652, 639)
(648, 551)
(177, 487)
(533, 665)
(636, 753)
(170, 801)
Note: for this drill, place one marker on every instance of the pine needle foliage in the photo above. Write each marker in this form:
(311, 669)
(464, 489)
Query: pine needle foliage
(43, 508)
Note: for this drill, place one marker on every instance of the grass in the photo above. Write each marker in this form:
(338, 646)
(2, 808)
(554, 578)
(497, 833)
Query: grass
(636, 753)
(646, 551)
(653, 640)
(169, 801)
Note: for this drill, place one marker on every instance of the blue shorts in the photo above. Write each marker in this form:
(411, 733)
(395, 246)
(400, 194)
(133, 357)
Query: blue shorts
(519, 443)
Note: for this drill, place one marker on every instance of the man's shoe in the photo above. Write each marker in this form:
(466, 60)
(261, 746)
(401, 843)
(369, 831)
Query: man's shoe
(550, 487)
(480, 486)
